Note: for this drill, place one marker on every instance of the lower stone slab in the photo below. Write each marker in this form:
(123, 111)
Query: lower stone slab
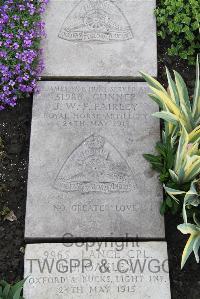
(101, 270)
(87, 174)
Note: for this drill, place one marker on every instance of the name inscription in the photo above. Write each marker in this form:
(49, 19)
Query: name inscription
(95, 106)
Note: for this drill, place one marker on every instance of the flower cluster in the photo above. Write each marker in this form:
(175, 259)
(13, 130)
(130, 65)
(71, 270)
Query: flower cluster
(21, 30)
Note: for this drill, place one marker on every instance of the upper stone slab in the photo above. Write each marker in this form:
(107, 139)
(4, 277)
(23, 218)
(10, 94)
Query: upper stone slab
(87, 175)
(100, 38)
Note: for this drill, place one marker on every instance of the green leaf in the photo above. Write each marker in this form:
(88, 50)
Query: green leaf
(156, 100)
(188, 250)
(154, 160)
(196, 100)
(172, 88)
(196, 246)
(173, 176)
(173, 191)
(161, 149)
(167, 116)
(163, 208)
(196, 221)
(193, 168)
(151, 158)
(176, 208)
(17, 294)
(6, 290)
(17, 288)
(181, 151)
(184, 99)
(3, 283)
(188, 228)
(169, 202)
(153, 82)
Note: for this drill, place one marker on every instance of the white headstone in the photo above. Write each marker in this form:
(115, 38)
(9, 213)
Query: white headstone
(100, 38)
(117, 270)
(87, 175)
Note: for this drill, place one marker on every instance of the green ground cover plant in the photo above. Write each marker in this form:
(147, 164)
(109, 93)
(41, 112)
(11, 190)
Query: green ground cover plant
(178, 158)
(179, 20)
(8, 291)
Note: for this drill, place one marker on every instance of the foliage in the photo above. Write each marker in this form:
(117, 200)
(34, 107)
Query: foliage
(162, 163)
(193, 242)
(180, 164)
(8, 291)
(187, 162)
(180, 21)
(190, 210)
(21, 63)
(178, 159)
(176, 107)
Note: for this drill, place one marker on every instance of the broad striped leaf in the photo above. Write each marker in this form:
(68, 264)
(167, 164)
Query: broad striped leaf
(191, 198)
(193, 149)
(188, 228)
(196, 246)
(194, 232)
(188, 249)
(173, 176)
(196, 220)
(169, 126)
(153, 82)
(192, 168)
(167, 116)
(167, 101)
(194, 136)
(156, 100)
(185, 104)
(173, 192)
(196, 99)
(182, 150)
(182, 90)
(172, 88)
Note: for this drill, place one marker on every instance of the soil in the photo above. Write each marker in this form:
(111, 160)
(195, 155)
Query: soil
(15, 131)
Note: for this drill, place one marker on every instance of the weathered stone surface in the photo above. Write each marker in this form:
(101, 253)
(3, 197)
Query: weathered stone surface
(100, 38)
(97, 270)
(87, 175)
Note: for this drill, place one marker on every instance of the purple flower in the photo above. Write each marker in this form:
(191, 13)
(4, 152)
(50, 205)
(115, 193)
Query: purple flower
(21, 61)
(15, 46)
(3, 54)
(27, 43)
(25, 23)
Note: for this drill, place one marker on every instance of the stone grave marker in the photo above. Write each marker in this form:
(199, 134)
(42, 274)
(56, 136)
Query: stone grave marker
(87, 176)
(100, 38)
(117, 270)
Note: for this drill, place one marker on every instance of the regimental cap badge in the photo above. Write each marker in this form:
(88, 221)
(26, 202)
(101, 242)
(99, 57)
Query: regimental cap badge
(96, 20)
(95, 166)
